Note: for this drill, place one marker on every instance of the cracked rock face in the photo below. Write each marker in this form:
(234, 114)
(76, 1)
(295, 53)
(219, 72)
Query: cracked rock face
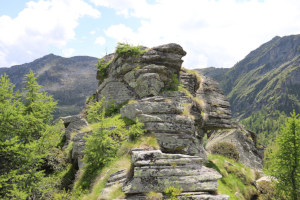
(177, 106)
(155, 171)
(171, 113)
(244, 141)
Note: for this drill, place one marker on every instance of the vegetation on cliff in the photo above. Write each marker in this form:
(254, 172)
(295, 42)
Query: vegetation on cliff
(283, 160)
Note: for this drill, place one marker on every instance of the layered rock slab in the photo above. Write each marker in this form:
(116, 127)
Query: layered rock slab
(244, 141)
(156, 171)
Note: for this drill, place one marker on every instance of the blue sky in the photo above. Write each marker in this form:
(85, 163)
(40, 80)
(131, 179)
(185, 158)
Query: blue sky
(213, 32)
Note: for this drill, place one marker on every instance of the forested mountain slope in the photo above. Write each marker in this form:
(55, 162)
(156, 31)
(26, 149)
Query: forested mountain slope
(69, 80)
(267, 77)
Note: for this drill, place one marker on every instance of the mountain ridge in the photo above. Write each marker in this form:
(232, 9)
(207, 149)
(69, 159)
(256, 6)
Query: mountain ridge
(69, 80)
(267, 77)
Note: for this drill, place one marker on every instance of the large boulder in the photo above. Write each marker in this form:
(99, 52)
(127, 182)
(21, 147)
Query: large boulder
(73, 124)
(155, 171)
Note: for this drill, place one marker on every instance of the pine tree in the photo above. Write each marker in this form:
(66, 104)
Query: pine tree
(24, 127)
(284, 162)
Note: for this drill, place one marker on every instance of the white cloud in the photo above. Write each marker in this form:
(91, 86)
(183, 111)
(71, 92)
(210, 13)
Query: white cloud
(214, 33)
(68, 52)
(120, 32)
(100, 40)
(38, 27)
(123, 7)
(92, 32)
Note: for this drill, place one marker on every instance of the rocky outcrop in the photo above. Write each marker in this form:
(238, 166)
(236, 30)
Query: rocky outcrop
(244, 141)
(217, 107)
(178, 107)
(170, 102)
(155, 171)
(78, 147)
(73, 124)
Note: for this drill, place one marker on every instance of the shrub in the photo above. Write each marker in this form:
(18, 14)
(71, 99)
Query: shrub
(173, 85)
(225, 149)
(96, 111)
(154, 196)
(126, 50)
(267, 190)
(136, 131)
(172, 192)
(102, 68)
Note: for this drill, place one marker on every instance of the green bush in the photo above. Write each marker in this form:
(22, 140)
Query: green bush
(173, 85)
(226, 149)
(126, 50)
(95, 111)
(172, 192)
(102, 68)
(136, 131)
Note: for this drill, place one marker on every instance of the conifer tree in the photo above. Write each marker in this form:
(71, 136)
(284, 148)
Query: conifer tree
(24, 126)
(284, 162)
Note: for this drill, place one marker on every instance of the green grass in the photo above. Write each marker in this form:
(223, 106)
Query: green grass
(122, 161)
(236, 177)
(127, 50)
(99, 184)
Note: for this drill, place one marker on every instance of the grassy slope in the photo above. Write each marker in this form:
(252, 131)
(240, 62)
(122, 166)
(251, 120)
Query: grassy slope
(237, 179)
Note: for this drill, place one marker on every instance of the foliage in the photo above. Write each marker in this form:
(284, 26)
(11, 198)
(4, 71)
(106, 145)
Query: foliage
(136, 131)
(266, 124)
(267, 190)
(25, 157)
(235, 177)
(173, 85)
(172, 192)
(107, 134)
(95, 111)
(102, 68)
(283, 160)
(226, 149)
(154, 196)
(127, 50)
(112, 108)
(121, 161)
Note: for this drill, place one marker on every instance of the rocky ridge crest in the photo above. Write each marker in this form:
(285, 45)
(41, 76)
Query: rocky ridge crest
(178, 107)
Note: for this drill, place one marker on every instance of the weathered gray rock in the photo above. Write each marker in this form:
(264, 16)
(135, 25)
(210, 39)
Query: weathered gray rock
(168, 55)
(217, 107)
(183, 196)
(73, 124)
(78, 147)
(155, 171)
(114, 91)
(148, 84)
(250, 155)
(116, 179)
(162, 116)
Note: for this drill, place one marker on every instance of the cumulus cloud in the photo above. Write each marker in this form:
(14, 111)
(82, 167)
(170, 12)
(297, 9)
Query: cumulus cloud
(39, 26)
(124, 7)
(68, 52)
(214, 33)
(100, 40)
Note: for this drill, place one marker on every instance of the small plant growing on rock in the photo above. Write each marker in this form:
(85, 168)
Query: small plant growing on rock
(226, 149)
(102, 68)
(172, 192)
(173, 85)
(136, 131)
(127, 50)
(154, 196)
